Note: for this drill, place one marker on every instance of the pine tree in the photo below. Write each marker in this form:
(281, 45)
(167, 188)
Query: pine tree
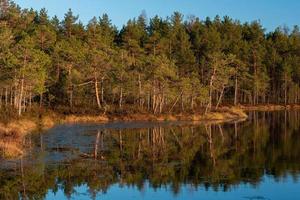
(161, 65)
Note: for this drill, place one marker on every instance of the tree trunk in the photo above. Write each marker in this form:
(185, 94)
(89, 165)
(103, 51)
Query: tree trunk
(236, 91)
(6, 96)
(161, 103)
(102, 90)
(148, 102)
(192, 102)
(1, 96)
(57, 73)
(235, 130)
(140, 90)
(208, 107)
(70, 87)
(177, 99)
(24, 102)
(41, 100)
(154, 97)
(255, 95)
(21, 97)
(157, 102)
(15, 97)
(71, 97)
(121, 97)
(97, 92)
(182, 103)
(220, 97)
(11, 96)
(30, 99)
(285, 89)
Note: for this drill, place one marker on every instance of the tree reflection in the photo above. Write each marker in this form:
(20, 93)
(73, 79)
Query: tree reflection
(216, 156)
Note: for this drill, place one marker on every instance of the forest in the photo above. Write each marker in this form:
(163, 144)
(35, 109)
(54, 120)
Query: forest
(155, 65)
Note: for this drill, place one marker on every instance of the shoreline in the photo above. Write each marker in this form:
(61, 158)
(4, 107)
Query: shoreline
(269, 107)
(13, 133)
(222, 114)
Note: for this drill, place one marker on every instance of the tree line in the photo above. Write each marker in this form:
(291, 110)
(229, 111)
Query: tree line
(157, 65)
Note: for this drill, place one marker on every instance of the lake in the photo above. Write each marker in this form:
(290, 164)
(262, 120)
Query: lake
(258, 158)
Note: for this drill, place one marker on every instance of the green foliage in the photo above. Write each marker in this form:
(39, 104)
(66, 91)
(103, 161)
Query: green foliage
(167, 60)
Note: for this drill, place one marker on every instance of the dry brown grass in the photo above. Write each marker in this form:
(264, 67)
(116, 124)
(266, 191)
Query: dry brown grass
(237, 112)
(47, 122)
(78, 119)
(12, 135)
(22, 127)
(226, 113)
(11, 149)
(170, 118)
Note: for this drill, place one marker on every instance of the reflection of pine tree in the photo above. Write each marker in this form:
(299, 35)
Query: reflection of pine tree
(214, 156)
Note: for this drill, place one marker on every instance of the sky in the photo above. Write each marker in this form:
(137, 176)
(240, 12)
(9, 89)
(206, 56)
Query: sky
(271, 13)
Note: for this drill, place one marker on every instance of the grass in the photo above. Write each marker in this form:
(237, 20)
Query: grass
(13, 131)
(11, 149)
(12, 135)
(86, 118)
(226, 113)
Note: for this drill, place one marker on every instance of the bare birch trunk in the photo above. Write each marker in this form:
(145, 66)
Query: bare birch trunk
(208, 107)
(21, 97)
(70, 87)
(140, 90)
(285, 89)
(121, 98)
(97, 92)
(102, 90)
(30, 99)
(236, 91)
(220, 97)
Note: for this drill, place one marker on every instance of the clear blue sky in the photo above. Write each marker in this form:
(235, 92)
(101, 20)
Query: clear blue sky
(271, 13)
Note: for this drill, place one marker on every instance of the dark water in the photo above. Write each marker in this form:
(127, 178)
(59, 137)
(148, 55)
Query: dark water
(255, 159)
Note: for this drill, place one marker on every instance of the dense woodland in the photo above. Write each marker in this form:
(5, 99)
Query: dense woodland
(155, 65)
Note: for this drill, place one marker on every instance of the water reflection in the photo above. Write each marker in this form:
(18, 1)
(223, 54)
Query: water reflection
(166, 159)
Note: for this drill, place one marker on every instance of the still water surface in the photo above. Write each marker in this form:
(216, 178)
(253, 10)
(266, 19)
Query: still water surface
(255, 159)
